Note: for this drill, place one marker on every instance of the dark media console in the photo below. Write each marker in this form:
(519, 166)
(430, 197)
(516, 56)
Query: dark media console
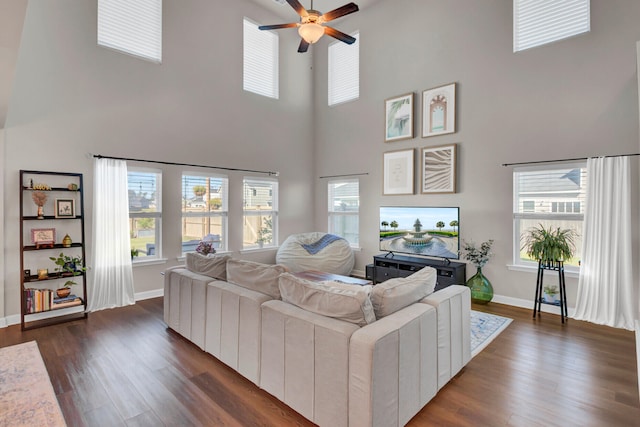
(388, 266)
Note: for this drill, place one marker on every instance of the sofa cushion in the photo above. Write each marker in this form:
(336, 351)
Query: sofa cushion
(332, 299)
(213, 266)
(255, 276)
(395, 294)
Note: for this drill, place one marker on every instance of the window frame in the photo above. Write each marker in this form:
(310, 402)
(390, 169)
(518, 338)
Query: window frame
(336, 51)
(222, 213)
(517, 217)
(255, 60)
(332, 213)
(273, 194)
(157, 215)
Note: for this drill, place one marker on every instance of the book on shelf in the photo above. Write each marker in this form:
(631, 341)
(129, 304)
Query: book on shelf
(65, 299)
(37, 300)
(71, 303)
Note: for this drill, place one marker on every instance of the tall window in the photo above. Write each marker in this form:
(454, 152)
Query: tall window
(344, 206)
(537, 22)
(133, 27)
(552, 197)
(204, 211)
(260, 61)
(344, 71)
(260, 226)
(145, 212)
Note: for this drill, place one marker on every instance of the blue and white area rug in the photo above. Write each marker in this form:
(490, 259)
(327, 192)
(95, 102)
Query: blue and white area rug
(485, 328)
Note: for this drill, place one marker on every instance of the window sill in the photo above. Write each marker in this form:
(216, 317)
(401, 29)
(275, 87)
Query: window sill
(526, 269)
(254, 250)
(183, 258)
(144, 263)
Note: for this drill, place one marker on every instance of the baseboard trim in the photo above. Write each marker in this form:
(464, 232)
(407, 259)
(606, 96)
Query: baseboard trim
(525, 303)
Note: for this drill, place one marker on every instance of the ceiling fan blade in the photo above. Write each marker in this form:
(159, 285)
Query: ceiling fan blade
(277, 26)
(298, 7)
(304, 46)
(339, 12)
(339, 35)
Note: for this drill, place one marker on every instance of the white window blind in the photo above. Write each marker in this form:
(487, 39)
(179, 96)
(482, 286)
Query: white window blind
(133, 27)
(344, 71)
(260, 61)
(344, 209)
(538, 22)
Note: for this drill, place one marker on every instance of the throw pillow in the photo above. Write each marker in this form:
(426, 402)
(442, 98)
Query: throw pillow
(332, 299)
(396, 294)
(255, 276)
(212, 266)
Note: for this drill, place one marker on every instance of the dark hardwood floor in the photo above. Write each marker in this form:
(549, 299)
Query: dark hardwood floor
(124, 367)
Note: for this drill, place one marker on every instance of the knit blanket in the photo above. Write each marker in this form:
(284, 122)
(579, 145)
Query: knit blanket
(323, 242)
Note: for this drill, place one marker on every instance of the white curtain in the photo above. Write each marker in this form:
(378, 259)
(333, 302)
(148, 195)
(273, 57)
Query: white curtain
(111, 273)
(606, 288)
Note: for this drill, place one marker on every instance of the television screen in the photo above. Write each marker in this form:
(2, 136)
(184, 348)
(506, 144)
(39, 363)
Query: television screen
(430, 231)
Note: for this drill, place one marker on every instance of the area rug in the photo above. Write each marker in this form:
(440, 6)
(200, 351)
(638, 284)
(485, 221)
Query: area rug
(485, 328)
(26, 394)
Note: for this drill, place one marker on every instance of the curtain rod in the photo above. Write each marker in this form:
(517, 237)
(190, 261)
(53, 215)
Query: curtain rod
(342, 176)
(100, 156)
(567, 160)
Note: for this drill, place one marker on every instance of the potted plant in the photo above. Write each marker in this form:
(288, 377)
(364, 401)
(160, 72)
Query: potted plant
(205, 248)
(550, 292)
(68, 265)
(481, 289)
(65, 290)
(549, 245)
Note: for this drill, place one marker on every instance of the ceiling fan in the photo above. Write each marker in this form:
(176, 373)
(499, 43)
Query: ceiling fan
(310, 26)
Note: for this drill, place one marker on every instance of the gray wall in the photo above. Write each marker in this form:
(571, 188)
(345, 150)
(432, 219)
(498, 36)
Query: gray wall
(71, 97)
(573, 98)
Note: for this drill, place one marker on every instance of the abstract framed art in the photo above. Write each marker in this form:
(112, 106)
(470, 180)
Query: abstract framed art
(438, 166)
(439, 110)
(398, 172)
(398, 118)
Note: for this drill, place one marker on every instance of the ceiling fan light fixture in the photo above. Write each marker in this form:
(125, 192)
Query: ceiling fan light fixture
(311, 32)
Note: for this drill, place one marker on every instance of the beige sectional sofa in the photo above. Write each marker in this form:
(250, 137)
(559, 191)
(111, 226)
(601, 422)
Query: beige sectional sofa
(340, 355)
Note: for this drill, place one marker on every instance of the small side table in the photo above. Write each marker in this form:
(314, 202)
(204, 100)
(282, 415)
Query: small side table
(562, 303)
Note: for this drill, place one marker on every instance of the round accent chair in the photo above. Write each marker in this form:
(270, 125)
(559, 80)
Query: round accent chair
(316, 251)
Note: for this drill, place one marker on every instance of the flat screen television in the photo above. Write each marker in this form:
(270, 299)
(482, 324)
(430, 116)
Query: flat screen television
(429, 231)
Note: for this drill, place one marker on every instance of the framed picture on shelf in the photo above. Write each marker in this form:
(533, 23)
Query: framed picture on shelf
(398, 172)
(439, 110)
(65, 208)
(398, 118)
(43, 237)
(438, 166)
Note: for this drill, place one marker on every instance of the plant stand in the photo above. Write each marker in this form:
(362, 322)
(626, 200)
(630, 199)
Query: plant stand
(562, 302)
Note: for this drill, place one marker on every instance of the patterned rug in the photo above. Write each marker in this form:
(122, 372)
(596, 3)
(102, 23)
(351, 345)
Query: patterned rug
(485, 328)
(26, 393)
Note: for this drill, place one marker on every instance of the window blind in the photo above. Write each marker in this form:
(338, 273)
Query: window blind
(133, 27)
(260, 57)
(344, 71)
(538, 22)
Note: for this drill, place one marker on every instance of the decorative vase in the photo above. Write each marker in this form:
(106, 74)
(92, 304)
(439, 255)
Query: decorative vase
(40, 212)
(63, 292)
(66, 242)
(481, 289)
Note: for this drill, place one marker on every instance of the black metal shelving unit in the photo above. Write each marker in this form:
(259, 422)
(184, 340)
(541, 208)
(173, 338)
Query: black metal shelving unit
(539, 300)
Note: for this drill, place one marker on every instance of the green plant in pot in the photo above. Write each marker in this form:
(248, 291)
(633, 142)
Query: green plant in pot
(481, 289)
(549, 245)
(69, 265)
(65, 290)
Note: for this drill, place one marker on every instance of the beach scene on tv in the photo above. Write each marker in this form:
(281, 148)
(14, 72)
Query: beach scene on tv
(421, 231)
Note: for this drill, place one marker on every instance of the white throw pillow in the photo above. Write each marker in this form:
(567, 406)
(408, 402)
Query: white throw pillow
(213, 266)
(255, 276)
(396, 294)
(332, 299)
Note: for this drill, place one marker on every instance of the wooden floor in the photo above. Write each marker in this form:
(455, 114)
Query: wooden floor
(124, 367)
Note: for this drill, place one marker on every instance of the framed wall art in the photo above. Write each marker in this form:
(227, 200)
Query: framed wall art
(438, 166)
(43, 237)
(398, 172)
(439, 110)
(398, 118)
(65, 208)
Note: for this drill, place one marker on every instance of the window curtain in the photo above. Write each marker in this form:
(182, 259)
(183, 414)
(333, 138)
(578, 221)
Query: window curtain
(111, 273)
(605, 287)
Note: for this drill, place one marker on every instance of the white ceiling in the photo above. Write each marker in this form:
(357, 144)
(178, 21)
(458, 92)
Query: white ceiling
(323, 6)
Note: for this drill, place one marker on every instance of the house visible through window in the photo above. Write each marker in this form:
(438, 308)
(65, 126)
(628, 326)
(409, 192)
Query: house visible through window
(552, 197)
(133, 27)
(344, 207)
(344, 71)
(204, 211)
(260, 226)
(537, 22)
(260, 61)
(145, 212)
